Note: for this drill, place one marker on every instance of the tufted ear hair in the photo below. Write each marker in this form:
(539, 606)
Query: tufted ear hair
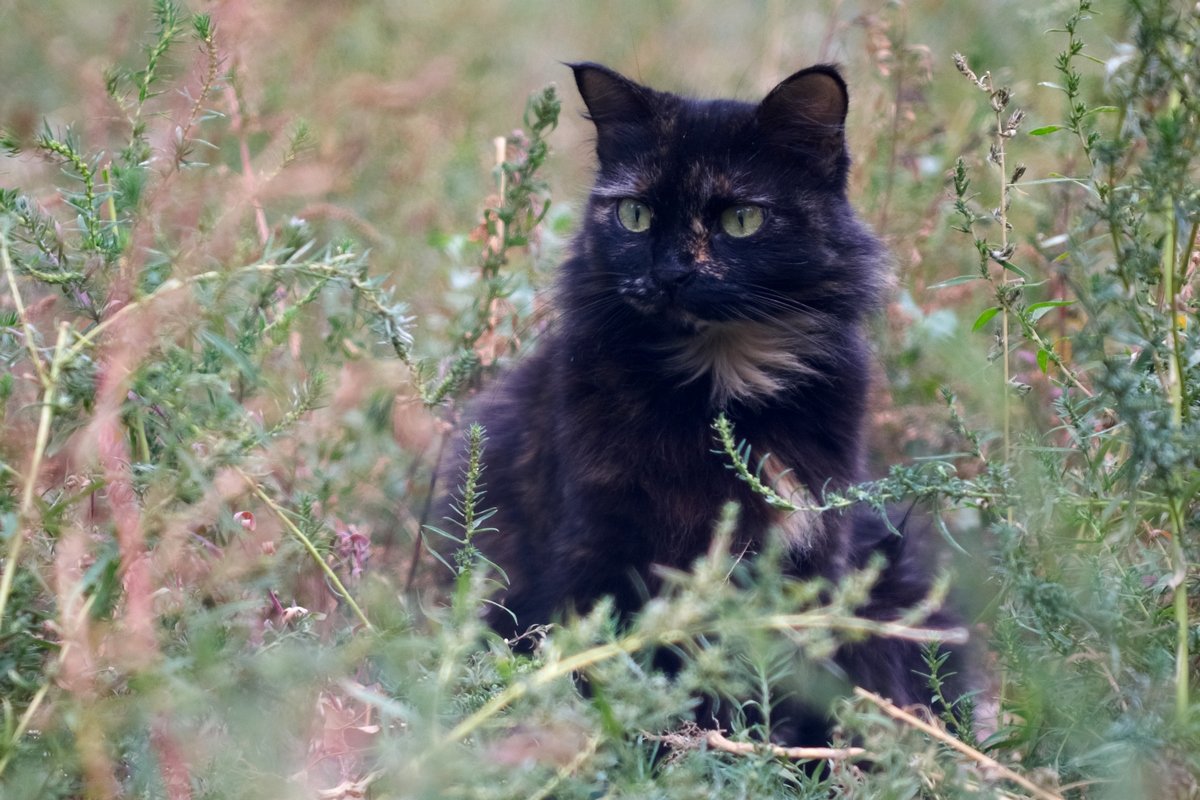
(806, 113)
(620, 109)
(609, 95)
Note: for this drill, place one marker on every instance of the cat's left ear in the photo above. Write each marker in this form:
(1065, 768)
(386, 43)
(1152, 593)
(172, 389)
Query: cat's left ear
(807, 113)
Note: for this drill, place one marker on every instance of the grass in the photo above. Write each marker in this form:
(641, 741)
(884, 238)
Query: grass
(253, 259)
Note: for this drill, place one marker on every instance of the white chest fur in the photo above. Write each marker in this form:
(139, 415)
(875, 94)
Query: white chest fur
(748, 360)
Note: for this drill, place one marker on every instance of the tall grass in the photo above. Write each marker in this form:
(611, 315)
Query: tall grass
(224, 403)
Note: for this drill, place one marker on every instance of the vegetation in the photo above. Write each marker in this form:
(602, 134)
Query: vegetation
(252, 267)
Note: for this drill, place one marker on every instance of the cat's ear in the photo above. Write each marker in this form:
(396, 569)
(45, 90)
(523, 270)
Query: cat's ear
(620, 109)
(610, 97)
(807, 113)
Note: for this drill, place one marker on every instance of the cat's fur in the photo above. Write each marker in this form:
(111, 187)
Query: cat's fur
(599, 460)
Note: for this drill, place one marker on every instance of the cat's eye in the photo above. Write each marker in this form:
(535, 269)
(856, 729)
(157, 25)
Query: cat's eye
(634, 215)
(741, 221)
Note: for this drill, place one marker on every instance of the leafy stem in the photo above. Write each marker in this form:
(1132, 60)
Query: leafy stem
(66, 151)
(821, 618)
(926, 480)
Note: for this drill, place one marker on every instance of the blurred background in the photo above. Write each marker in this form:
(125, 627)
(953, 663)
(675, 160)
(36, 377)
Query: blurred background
(403, 100)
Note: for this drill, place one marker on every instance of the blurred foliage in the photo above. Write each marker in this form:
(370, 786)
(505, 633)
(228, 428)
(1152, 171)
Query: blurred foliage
(254, 254)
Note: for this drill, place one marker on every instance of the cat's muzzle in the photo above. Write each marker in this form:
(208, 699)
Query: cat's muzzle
(654, 294)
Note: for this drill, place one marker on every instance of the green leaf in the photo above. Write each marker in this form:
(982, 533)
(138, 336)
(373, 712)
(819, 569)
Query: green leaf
(1039, 310)
(956, 281)
(1011, 267)
(101, 579)
(1045, 129)
(608, 719)
(1043, 360)
(985, 317)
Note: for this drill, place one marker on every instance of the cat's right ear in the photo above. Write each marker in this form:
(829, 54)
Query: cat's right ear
(610, 97)
(618, 107)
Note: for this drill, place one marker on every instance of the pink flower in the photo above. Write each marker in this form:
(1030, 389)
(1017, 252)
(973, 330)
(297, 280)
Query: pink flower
(353, 547)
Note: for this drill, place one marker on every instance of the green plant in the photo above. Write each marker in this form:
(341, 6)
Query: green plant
(1100, 530)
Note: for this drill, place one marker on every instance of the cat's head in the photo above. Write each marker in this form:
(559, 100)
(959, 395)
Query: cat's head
(710, 211)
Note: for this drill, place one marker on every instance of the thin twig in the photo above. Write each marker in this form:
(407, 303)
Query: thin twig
(1004, 296)
(27, 328)
(323, 270)
(208, 82)
(566, 770)
(897, 713)
(250, 179)
(717, 741)
(35, 467)
(43, 690)
(169, 286)
(553, 671)
(818, 619)
(891, 630)
(419, 539)
(293, 529)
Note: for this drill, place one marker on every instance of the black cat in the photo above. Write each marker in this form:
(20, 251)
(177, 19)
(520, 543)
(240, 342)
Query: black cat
(719, 267)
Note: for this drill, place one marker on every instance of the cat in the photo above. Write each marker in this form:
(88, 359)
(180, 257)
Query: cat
(719, 268)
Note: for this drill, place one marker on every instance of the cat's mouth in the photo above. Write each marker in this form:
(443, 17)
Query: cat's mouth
(663, 299)
(644, 294)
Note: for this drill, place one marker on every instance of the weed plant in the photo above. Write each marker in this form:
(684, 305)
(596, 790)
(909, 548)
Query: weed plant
(221, 429)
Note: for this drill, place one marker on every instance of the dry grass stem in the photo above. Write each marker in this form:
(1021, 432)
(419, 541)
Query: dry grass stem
(718, 741)
(986, 761)
(295, 531)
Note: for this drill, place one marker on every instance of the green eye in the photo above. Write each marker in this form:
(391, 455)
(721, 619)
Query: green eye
(741, 221)
(634, 215)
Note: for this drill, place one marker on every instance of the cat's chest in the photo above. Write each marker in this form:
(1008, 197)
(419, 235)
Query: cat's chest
(660, 466)
(660, 453)
(638, 444)
(747, 361)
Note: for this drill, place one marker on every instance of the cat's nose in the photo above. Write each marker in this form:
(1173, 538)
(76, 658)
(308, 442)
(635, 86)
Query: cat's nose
(672, 275)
